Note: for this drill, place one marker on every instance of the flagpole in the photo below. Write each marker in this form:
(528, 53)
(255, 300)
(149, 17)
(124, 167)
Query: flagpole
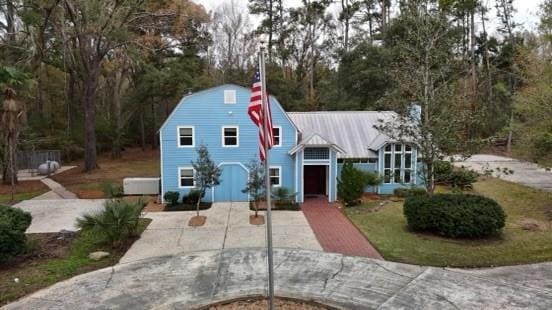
(267, 184)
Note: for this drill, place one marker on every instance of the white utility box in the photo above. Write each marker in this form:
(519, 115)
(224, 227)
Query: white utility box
(141, 186)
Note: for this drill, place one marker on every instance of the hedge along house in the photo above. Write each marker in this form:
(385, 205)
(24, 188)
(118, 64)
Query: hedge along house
(309, 150)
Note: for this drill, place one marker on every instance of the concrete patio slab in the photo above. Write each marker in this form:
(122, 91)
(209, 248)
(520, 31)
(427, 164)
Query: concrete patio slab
(58, 214)
(227, 226)
(189, 281)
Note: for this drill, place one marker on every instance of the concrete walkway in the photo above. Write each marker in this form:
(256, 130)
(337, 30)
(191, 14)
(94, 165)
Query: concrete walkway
(334, 231)
(58, 189)
(188, 281)
(227, 226)
(525, 173)
(58, 214)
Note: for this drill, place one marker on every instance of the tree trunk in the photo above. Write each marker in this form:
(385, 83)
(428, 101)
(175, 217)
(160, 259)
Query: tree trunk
(142, 130)
(10, 21)
(153, 126)
(89, 103)
(487, 63)
(270, 30)
(118, 120)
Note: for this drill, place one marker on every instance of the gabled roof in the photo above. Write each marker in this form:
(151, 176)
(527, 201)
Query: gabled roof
(314, 140)
(272, 99)
(354, 132)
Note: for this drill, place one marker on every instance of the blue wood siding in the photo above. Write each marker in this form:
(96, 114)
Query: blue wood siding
(207, 113)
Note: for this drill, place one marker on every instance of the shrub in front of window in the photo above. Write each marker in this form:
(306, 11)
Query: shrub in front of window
(454, 215)
(171, 198)
(13, 224)
(405, 192)
(352, 182)
(206, 175)
(192, 197)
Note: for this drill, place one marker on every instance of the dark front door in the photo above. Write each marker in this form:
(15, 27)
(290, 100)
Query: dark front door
(315, 180)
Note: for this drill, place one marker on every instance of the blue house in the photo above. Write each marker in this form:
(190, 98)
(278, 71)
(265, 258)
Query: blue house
(309, 150)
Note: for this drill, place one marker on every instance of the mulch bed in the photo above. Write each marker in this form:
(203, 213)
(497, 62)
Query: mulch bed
(256, 220)
(197, 221)
(23, 187)
(262, 303)
(277, 207)
(188, 207)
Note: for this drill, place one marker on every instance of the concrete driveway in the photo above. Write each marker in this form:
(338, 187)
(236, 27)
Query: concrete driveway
(59, 214)
(525, 173)
(189, 281)
(227, 226)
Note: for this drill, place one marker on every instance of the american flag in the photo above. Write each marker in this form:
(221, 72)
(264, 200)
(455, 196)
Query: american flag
(255, 111)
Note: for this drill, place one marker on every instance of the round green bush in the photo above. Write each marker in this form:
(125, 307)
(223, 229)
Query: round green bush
(13, 224)
(454, 215)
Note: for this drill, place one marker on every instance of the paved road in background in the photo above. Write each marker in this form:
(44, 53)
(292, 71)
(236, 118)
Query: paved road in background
(525, 173)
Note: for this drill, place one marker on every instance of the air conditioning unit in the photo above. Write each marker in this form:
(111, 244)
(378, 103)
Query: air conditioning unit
(141, 186)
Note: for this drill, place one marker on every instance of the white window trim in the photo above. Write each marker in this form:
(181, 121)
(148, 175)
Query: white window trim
(280, 136)
(180, 176)
(279, 175)
(237, 135)
(403, 166)
(178, 136)
(230, 91)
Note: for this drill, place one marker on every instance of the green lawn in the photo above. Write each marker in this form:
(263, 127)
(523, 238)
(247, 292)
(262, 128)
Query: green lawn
(42, 272)
(386, 230)
(6, 198)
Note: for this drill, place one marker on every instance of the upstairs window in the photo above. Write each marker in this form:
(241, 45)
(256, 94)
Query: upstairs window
(229, 97)
(185, 136)
(186, 177)
(276, 132)
(275, 176)
(230, 136)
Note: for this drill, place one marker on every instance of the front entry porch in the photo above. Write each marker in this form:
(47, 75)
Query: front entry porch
(316, 180)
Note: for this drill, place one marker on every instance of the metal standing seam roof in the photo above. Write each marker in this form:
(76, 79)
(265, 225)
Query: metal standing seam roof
(353, 132)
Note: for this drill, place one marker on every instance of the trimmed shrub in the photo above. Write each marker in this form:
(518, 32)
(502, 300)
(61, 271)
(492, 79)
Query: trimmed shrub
(117, 221)
(405, 192)
(171, 197)
(454, 215)
(111, 190)
(13, 224)
(459, 178)
(352, 181)
(192, 197)
(283, 195)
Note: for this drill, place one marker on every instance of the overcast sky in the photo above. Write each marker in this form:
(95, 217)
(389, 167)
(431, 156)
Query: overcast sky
(526, 15)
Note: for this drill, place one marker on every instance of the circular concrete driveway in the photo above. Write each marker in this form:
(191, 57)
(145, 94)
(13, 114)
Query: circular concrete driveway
(189, 281)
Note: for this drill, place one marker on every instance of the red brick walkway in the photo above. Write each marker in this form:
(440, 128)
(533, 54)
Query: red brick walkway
(334, 231)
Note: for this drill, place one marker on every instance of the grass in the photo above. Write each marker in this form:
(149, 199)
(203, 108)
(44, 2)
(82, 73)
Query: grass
(7, 198)
(385, 227)
(41, 273)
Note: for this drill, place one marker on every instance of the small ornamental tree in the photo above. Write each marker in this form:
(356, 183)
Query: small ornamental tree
(352, 181)
(255, 183)
(206, 173)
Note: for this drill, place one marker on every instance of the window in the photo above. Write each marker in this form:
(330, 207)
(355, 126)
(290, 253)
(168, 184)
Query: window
(398, 164)
(230, 136)
(276, 132)
(317, 153)
(229, 97)
(275, 176)
(185, 136)
(186, 177)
